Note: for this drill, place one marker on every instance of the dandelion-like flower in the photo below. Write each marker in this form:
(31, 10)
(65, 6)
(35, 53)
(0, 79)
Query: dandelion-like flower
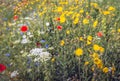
(78, 52)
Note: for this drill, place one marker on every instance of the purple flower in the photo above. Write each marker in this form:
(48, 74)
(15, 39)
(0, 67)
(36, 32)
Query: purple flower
(7, 54)
(42, 41)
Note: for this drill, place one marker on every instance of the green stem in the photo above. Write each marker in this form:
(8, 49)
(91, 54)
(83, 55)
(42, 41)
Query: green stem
(79, 69)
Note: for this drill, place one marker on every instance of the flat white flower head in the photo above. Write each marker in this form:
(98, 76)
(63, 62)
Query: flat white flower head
(24, 41)
(24, 36)
(40, 54)
(47, 23)
(14, 74)
(28, 33)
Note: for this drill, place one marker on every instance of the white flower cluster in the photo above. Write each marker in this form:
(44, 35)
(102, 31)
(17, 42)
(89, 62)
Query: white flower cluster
(26, 38)
(14, 74)
(40, 54)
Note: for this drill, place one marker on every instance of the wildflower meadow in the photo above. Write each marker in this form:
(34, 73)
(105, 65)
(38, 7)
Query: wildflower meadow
(59, 40)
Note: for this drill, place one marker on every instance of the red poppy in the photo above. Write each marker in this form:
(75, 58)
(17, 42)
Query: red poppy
(58, 19)
(59, 27)
(2, 67)
(99, 34)
(24, 28)
(15, 17)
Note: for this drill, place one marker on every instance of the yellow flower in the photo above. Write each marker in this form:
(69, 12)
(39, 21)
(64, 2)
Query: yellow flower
(81, 11)
(76, 21)
(77, 15)
(59, 9)
(95, 55)
(97, 61)
(111, 8)
(95, 5)
(86, 63)
(96, 47)
(76, 1)
(92, 68)
(113, 31)
(101, 49)
(89, 38)
(53, 59)
(67, 32)
(62, 19)
(78, 52)
(106, 12)
(85, 21)
(69, 13)
(81, 38)
(119, 30)
(100, 65)
(62, 43)
(105, 70)
(88, 42)
(87, 13)
(63, 3)
(74, 15)
(95, 24)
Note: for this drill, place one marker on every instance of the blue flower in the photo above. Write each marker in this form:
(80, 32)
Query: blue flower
(21, 33)
(28, 60)
(42, 41)
(7, 28)
(5, 19)
(8, 65)
(7, 54)
(37, 64)
(46, 46)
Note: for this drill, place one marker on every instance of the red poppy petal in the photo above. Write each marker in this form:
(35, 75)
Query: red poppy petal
(24, 28)
(15, 17)
(2, 67)
(59, 27)
(99, 34)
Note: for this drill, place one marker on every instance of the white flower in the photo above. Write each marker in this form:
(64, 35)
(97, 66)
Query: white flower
(40, 54)
(110, 69)
(14, 74)
(28, 18)
(28, 33)
(47, 24)
(51, 48)
(24, 36)
(24, 41)
(21, 51)
(36, 51)
(97, 38)
(40, 32)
